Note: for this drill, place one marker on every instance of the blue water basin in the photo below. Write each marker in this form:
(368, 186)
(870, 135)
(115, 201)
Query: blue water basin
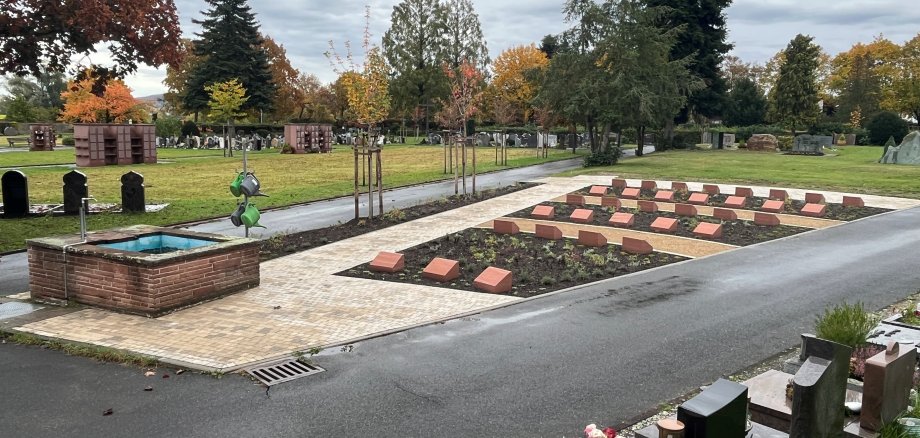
(158, 243)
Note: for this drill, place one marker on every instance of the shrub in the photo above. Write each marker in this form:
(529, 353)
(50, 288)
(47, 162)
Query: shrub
(68, 140)
(607, 157)
(785, 142)
(168, 126)
(886, 124)
(846, 324)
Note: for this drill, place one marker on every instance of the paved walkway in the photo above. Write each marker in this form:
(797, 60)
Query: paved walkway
(301, 304)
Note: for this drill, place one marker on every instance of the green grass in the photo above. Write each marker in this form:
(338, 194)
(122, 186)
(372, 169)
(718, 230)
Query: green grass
(853, 169)
(66, 156)
(197, 188)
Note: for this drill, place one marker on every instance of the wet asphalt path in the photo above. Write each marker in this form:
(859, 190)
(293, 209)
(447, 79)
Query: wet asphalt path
(602, 353)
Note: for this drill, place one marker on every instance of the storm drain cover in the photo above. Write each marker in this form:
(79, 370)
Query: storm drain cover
(283, 371)
(10, 310)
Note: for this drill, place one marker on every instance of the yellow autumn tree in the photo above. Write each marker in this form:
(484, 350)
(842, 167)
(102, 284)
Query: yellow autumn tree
(905, 94)
(226, 100)
(116, 104)
(511, 82)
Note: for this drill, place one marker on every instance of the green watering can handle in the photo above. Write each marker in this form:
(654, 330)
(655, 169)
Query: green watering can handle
(235, 185)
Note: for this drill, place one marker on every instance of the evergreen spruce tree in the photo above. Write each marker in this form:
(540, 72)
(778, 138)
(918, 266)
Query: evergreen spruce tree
(746, 105)
(702, 40)
(463, 40)
(794, 99)
(231, 47)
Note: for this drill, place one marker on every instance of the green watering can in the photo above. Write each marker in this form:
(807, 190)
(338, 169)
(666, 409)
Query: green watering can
(251, 217)
(237, 217)
(235, 185)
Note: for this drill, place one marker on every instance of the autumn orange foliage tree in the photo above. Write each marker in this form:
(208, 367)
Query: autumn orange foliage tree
(116, 104)
(511, 80)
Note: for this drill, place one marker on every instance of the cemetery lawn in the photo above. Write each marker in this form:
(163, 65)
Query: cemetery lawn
(66, 156)
(197, 188)
(853, 169)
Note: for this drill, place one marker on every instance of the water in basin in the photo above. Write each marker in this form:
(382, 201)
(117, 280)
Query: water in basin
(158, 243)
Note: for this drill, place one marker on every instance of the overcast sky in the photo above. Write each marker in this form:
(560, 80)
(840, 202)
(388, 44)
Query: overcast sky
(757, 28)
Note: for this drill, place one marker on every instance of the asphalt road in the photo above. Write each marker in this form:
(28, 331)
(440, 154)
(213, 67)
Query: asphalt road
(603, 353)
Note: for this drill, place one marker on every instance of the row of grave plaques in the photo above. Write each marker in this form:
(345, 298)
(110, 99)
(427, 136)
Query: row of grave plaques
(15, 187)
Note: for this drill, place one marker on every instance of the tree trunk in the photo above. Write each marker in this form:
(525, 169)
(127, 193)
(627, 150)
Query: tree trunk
(605, 137)
(640, 133)
(668, 134)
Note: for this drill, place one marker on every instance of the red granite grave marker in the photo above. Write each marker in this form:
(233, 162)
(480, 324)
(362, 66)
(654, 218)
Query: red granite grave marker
(591, 238)
(649, 185)
(712, 189)
(544, 212)
(708, 230)
(698, 199)
(610, 201)
(548, 232)
(735, 202)
(679, 187)
(853, 201)
(619, 183)
(648, 206)
(598, 190)
(745, 192)
(582, 216)
(622, 220)
(773, 206)
(502, 226)
(724, 214)
(814, 210)
(573, 199)
(388, 262)
(664, 225)
(664, 196)
(493, 280)
(442, 270)
(685, 210)
(767, 219)
(814, 198)
(782, 195)
(630, 193)
(636, 246)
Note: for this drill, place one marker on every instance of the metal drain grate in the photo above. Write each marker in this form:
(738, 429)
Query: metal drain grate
(283, 371)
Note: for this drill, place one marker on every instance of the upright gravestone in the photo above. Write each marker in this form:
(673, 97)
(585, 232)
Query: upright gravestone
(132, 193)
(75, 189)
(718, 411)
(811, 144)
(820, 389)
(15, 186)
(886, 386)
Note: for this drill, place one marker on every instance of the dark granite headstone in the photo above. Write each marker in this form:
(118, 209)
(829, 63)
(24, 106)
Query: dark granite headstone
(827, 391)
(132, 193)
(812, 144)
(718, 411)
(532, 140)
(15, 186)
(817, 401)
(74, 190)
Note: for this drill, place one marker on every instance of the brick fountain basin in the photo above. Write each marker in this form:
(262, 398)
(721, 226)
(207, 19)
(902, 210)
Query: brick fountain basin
(141, 269)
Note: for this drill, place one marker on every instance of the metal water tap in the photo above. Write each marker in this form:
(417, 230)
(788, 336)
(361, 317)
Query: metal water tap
(83, 208)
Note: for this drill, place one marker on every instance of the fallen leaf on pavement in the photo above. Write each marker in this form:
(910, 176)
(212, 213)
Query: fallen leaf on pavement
(179, 372)
(149, 388)
(107, 411)
(149, 373)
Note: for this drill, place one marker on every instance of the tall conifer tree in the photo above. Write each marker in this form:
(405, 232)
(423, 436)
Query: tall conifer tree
(231, 47)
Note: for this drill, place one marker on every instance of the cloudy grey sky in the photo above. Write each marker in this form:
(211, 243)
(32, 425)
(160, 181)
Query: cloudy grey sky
(758, 28)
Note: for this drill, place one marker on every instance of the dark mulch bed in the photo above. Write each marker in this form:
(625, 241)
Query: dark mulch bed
(740, 233)
(295, 242)
(835, 212)
(538, 265)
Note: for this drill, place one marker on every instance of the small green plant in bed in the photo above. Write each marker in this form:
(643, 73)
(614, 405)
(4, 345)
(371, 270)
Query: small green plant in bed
(910, 314)
(847, 324)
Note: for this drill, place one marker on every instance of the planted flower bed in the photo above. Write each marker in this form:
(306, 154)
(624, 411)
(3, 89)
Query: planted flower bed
(737, 232)
(538, 265)
(792, 206)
